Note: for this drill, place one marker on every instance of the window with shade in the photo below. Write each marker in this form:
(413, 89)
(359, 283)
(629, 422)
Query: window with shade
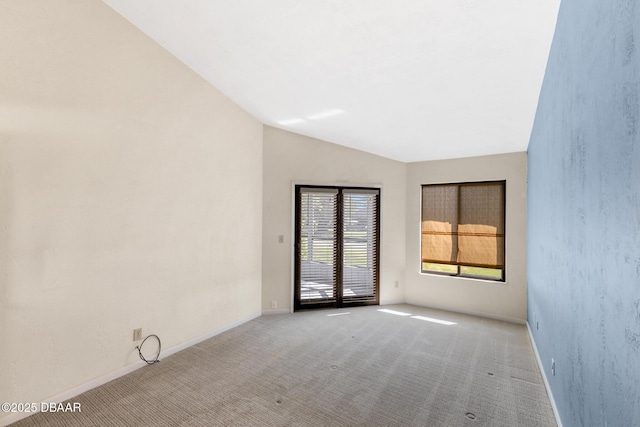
(463, 229)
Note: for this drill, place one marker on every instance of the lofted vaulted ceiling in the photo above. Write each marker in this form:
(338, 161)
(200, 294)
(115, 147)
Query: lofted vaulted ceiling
(410, 80)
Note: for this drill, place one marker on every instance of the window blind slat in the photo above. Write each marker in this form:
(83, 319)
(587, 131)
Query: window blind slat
(359, 278)
(317, 246)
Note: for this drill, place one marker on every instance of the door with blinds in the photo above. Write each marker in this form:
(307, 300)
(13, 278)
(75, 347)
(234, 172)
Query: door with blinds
(337, 234)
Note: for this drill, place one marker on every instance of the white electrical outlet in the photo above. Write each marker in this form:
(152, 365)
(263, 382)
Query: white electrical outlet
(137, 334)
(274, 304)
(397, 284)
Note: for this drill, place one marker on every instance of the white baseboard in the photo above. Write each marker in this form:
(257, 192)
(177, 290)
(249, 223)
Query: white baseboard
(393, 302)
(276, 311)
(544, 377)
(473, 313)
(208, 335)
(66, 395)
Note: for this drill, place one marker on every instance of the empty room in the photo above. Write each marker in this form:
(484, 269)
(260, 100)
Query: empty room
(319, 213)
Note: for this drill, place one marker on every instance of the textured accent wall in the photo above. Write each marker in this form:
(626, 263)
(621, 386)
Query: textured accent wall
(130, 196)
(584, 215)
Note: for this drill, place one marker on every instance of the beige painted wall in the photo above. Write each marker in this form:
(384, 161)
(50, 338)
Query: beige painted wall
(130, 196)
(500, 300)
(291, 159)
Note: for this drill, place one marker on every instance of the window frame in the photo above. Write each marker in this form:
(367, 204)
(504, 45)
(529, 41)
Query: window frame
(458, 266)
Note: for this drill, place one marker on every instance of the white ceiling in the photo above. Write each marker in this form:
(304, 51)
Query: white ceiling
(410, 80)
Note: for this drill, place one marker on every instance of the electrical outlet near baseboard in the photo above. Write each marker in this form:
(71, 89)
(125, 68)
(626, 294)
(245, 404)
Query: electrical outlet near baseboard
(137, 334)
(274, 304)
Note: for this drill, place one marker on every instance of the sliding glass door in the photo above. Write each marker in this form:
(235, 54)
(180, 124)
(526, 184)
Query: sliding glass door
(336, 252)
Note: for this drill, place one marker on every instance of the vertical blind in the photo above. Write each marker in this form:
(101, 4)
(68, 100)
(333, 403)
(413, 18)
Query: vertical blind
(463, 224)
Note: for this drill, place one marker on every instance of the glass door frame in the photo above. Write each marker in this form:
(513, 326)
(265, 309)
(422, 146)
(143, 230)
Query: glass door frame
(338, 247)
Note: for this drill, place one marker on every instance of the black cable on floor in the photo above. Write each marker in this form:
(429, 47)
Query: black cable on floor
(139, 347)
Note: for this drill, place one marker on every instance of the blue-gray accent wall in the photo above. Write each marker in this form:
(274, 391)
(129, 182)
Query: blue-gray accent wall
(583, 210)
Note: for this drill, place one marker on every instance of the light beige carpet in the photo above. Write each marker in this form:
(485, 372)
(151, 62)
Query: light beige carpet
(349, 367)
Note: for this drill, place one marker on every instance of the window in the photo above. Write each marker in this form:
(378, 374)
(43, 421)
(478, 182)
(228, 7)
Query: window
(463, 229)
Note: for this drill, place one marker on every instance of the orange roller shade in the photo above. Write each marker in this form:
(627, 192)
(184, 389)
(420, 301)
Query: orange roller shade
(463, 224)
